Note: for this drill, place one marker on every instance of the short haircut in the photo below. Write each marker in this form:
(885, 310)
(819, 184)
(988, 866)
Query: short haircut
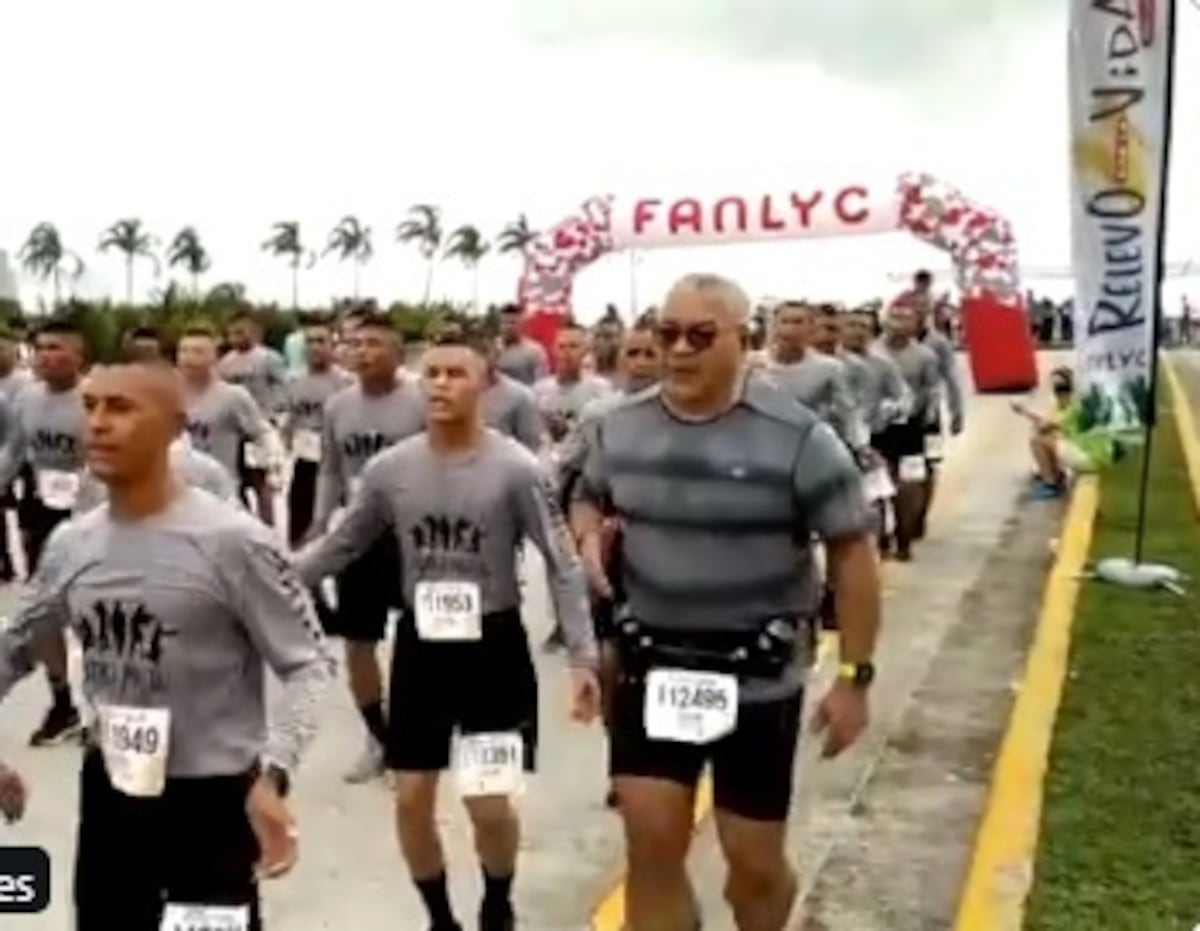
(646, 322)
(827, 310)
(470, 335)
(716, 289)
(376, 320)
(923, 277)
(59, 328)
(791, 305)
(199, 330)
(510, 309)
(144, 333)
(244, 315)
(570, 323)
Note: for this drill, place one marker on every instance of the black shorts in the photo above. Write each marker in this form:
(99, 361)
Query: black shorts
(366, 593)
(302, 499)
(191, 845)
(37, 523)
(488, 686)
(249, 476)
(751, 767)
(899, 440)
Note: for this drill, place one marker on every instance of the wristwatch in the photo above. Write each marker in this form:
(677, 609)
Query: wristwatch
(860, 675)
(278, 777)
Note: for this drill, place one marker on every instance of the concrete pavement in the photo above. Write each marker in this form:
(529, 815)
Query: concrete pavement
(351, 876)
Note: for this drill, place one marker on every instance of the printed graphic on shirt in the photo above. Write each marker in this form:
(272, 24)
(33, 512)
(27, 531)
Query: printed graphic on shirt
(123, 646)
(448, 544)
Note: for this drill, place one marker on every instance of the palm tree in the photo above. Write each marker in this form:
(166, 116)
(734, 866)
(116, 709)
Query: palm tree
(423, 227)
(468, 246)
(226, 292)
(44, 256)
(285, 242)
(188, 252)
(515, 236)
(133, 242)
(350, 241)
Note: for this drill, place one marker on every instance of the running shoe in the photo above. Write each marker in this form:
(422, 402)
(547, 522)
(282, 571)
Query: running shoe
(368, 766)
(60, 724)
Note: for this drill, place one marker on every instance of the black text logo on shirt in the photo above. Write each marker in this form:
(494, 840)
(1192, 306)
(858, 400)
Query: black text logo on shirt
(447, 544)
(362, 446)
(123, 645)
(55, 443)
(198, 432)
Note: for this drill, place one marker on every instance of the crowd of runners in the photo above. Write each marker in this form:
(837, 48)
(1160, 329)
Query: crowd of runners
(698, 528)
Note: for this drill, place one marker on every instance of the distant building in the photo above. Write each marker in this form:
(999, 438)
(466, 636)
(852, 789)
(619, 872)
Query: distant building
(8, 278)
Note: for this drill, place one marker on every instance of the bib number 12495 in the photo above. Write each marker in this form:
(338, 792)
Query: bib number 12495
(687, 706)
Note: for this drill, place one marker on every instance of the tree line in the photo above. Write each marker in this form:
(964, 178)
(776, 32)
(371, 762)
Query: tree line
(45, 255)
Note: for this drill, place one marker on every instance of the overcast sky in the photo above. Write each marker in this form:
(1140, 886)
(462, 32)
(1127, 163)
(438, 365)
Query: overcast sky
(230, 116)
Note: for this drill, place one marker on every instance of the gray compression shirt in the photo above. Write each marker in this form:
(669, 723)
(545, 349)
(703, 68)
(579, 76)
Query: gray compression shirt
(261, 371)
(510, 408)
(220, 418)
(463, 518)
(47, 432)
(183, 611)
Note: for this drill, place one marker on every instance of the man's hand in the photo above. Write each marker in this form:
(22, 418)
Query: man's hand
(278, 839)
(12, 794)
(843, 715)
(585, 694)
(956, 425)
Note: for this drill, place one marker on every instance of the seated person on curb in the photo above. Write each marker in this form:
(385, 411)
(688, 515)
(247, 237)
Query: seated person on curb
(1063, 442)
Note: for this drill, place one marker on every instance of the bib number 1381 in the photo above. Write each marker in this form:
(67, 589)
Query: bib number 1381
(686, 706)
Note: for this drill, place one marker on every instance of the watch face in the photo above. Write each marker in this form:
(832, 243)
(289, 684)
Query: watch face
(864, 674)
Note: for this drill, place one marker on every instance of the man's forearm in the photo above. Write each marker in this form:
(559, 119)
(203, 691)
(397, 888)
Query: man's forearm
(854, 575)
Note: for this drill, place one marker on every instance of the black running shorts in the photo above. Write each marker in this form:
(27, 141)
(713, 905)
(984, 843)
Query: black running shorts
(751, 767)
(37, 523)
(191, 845)
(367, 591)
(438, 688)
(302, 499)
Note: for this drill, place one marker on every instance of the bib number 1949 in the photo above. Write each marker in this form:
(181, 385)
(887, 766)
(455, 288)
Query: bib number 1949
(686, 706)
(134, 742)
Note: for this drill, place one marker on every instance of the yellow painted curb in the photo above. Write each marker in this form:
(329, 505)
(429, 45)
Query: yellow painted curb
(1185, 426)
(1001, 869)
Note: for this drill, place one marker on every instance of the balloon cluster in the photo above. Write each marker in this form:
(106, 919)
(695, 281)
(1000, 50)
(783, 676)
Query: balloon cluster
(554, 257)
(978, 239)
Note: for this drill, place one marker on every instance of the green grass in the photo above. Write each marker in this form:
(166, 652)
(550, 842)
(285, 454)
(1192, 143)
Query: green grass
(1120, 836)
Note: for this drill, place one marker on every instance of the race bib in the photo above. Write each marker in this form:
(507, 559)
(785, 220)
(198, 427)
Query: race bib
(490, 764)
(935, 445)
(913, 469)
(134, 743)
(306, 444)
(878, 484)
(256, 456)
(448, 611)
(205, 918)
(686, 706)
(57, 489)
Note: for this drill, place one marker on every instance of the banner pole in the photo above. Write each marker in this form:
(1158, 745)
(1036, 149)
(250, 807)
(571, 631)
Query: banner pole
(1164, 167)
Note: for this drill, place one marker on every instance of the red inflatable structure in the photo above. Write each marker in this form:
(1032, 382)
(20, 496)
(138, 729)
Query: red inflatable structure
(980, 242)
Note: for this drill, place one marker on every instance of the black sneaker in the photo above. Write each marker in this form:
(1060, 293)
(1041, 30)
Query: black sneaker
(59, 725)
(497, 917)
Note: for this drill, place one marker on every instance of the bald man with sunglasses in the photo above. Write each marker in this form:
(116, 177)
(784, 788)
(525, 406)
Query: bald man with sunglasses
(719, 481)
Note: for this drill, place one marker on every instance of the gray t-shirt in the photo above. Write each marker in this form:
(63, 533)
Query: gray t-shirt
(943, 351)
(15, 382)
(220, 418)
(560, 403)
(510, 407)
(191, 467)
(524, 360)
(261, 371)
(718, 516)
(357, 426)
(182, 611)
(880, 393)
(307, 393)
(463, 519)
(919, 367)
(47, 432)
(821, 383)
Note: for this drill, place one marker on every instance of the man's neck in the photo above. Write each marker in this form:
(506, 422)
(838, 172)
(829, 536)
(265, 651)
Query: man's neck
(377, 385)
(60, 385)
(512, 340)
(788, 354)
(896, 342)
(318, 368)
(704, 409)
(198, 381)
(148, 495)
(568, 378)
(458, 436)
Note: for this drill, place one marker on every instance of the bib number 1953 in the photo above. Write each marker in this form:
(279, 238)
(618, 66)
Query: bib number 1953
(448, 610)
(205, 918)
(686, 706)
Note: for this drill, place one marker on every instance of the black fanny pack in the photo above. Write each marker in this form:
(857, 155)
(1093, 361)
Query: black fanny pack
(762, 653)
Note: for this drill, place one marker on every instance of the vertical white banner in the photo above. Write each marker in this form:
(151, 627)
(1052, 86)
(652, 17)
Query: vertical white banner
(1119, 62)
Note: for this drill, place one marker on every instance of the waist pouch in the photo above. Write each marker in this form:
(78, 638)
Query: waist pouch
(762, 653)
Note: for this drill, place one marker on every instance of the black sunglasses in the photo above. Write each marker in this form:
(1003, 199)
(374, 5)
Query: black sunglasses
(698, 337)
(639, 353)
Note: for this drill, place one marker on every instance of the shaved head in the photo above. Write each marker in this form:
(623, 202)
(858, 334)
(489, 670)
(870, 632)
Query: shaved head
(135, 410)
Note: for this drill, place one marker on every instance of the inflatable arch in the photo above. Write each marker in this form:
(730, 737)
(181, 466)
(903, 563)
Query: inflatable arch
(979, 241)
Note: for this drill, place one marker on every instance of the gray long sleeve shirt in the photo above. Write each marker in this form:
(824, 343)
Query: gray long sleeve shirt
(47, 432)
(262, 372)
(463, 519)
(183, 611)
(943, 351)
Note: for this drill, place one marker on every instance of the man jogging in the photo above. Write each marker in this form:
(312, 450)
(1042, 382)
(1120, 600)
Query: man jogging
(179, 602)
(47, 436)
(720, 481)
(459, 501)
